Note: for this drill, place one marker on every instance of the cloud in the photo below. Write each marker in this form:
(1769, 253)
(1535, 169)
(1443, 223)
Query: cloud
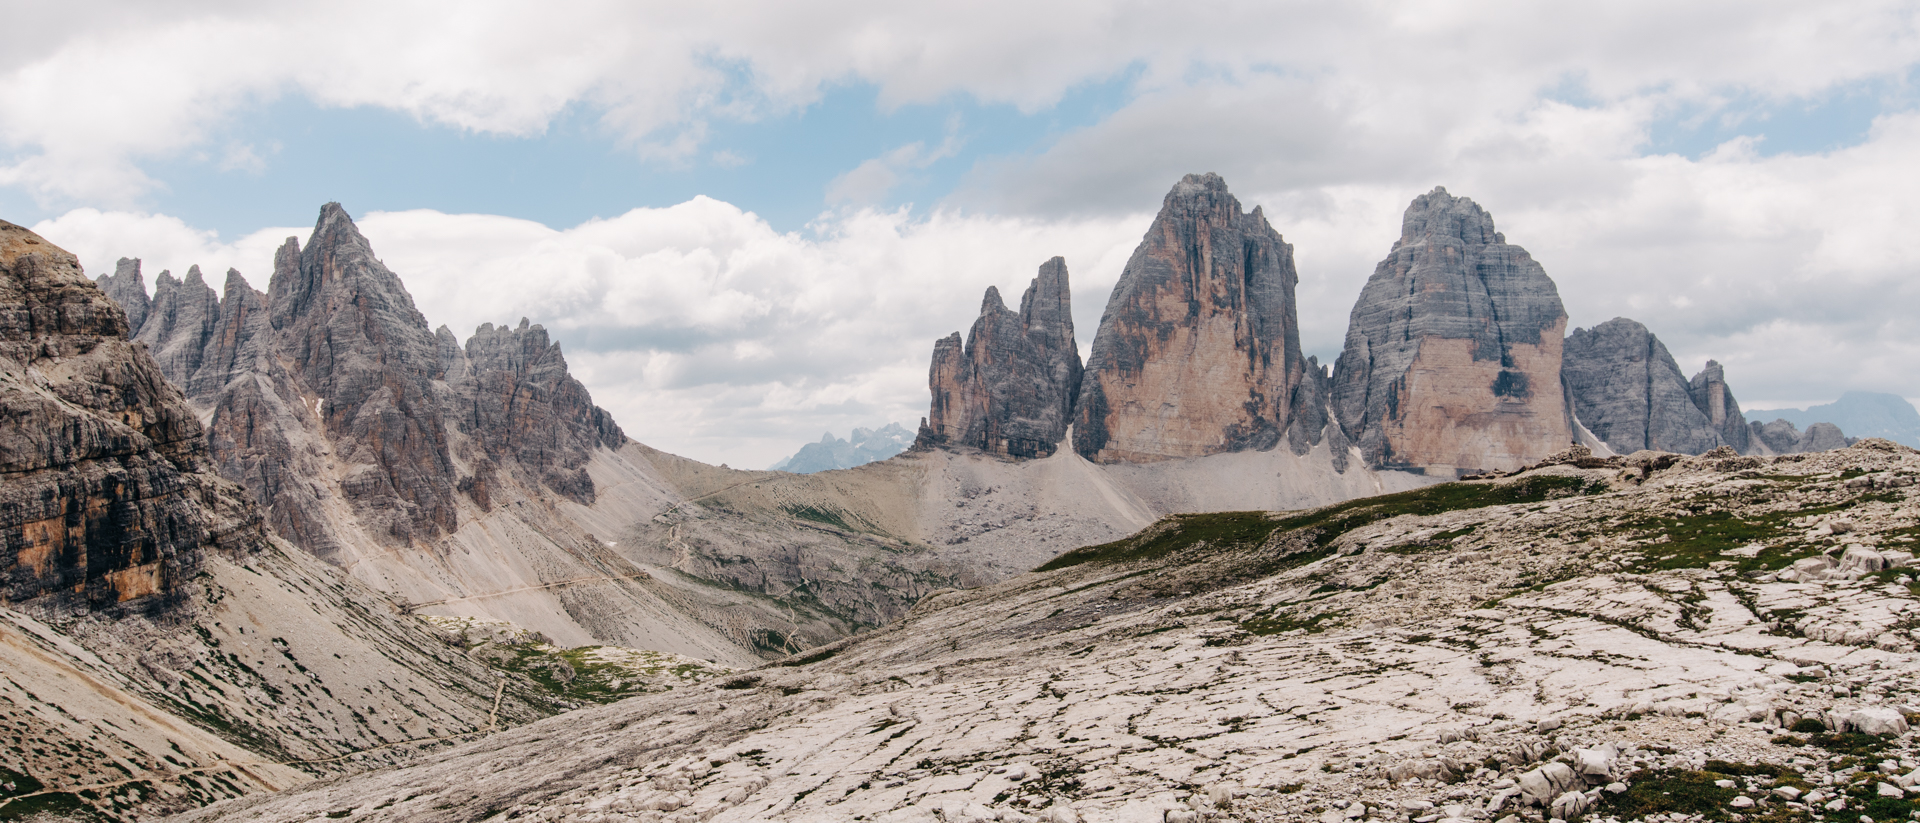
(103, 88)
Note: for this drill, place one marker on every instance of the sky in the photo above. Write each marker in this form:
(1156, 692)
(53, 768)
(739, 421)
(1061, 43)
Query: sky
(746, 223)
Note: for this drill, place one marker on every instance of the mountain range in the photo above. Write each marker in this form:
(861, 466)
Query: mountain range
(211, 491)
(862, 447)
(1865, 414)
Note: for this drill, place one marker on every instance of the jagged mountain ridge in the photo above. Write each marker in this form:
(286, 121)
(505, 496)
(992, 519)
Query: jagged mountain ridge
(162, 650)
(479, 479)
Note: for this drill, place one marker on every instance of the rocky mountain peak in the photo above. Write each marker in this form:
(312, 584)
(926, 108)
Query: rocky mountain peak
(1712, 397)
(1453, 353)
(1009, 389)
(1198, 351)
(1627, 389)
(1440, 214)
(129, 289)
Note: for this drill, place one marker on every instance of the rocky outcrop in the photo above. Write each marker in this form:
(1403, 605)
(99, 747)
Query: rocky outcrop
(1782, 437)
(1712, 397)
(1629, 392)
(523, 409)
(1010, 389)
(1198, 351)
(107, 480)
(1453, 354)
(1861, 414)
(180, 323)
(129, 289)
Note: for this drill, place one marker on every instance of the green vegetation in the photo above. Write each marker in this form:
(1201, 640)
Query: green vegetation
(1683, 791)
(826, 517)
(1319, 528)
(56, 806)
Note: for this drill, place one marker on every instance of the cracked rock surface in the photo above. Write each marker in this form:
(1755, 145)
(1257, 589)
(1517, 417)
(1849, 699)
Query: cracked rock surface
(1589, 637)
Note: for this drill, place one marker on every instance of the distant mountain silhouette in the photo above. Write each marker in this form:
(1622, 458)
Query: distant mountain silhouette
(1859, 414)
(866, 446)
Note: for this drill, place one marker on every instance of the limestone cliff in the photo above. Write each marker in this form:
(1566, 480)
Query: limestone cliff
(1198, 351)
(1629, 392)
(104, 461)
(1712, 397)
(1452, 358)
(129, 289)
(1010, 389)
(161, 650)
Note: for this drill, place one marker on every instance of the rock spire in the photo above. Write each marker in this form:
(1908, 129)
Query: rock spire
(1712, 397)
(1198, 351)
(1010, 388)
(1452, 359)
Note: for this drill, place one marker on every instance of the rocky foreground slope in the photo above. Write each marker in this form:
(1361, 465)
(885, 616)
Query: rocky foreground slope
(1651, 637)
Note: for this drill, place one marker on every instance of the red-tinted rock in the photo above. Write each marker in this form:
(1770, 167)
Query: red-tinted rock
(1198, 352)
(1010, 389)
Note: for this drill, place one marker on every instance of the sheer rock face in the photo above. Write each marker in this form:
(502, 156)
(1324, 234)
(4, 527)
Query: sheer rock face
(179, 324)
(329, 395)
(1712, 397)
(522, 406)
(1630, 393)
(1452, 359)
(109, 498)
(129, 289)
(1010, 389)
(1198, 351)
(357, 344)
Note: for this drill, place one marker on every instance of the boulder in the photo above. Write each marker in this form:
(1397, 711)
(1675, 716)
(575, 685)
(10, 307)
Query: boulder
(1861, 560)
(1876, 720)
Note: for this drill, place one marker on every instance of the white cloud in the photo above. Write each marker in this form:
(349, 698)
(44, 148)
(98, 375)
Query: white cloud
(103, 87)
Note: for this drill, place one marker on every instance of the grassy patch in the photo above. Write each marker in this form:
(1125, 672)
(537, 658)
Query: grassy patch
(1667, 791)
(817, 514)
(56, 806)
(1180, 533)
(1853, 743)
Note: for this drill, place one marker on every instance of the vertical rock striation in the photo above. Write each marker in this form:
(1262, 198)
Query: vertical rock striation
(1629, 392)
(109, 498)
(129, 289)
(179, 324)
(1712, 397)
(521, 406)
(1452, 358)
(1198, 351)
(1010, 388)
